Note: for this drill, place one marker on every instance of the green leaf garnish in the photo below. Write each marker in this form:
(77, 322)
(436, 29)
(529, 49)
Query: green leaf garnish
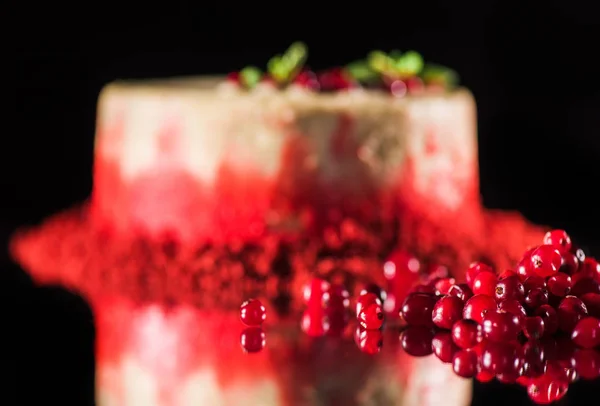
(283, 68)
(362, 72)
(250, 76)
(380, 62)
(439, 75)
(409, 64)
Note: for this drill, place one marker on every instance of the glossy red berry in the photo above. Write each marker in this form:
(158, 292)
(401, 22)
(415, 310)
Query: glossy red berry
(514, 307)
(443, 286)
(376, 290)
(524, 269)
(465, 363)
(570, 310)
(533, 327)
(533, 359)
(550, 317)
(507, 274)
(533, 282)
(559, 284)
(477, 306)
(253, 339)
(475, 269)
(336, 297)
(461, 291)
(559, 239)
(546, 389)
(591, 267)
(587, 363)
(466, 333)
(500, 357)
(509, 288)
(308, 80)
(417, 309)
(535, 298)
(416, 341)
(253, 313)
(443, 346)
(485, 284)
(586, 332)
(447, 311)
(313, 291)
(500, 326)
(365, 300)
(592, 303)
(371, 316)
(368, 341)
(334, 80)
(570, 263)
(545, 260)
(582, 284)
(314, 322)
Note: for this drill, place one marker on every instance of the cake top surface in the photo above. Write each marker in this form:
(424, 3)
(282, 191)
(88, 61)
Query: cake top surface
(378, 76)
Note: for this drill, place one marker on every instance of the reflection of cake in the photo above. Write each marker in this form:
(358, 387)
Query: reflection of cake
(206, 193)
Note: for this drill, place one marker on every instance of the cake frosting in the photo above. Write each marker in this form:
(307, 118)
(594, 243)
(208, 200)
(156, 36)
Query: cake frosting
(197, 162)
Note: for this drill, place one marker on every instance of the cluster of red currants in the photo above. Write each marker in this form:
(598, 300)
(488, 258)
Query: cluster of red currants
(493, 324)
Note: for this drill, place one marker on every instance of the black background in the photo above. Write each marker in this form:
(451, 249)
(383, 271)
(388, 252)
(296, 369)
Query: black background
(531, 66)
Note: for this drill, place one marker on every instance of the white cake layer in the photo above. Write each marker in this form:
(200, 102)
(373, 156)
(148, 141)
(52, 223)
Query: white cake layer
(216, 126)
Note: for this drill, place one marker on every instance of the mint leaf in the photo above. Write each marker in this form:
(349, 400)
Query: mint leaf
(250, 76)
(409, 64)
(362, 72)
(438, 74)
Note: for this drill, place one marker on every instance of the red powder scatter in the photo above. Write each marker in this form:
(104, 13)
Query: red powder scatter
(67, 249)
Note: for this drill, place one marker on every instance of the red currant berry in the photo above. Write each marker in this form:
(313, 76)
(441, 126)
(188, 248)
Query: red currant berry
(587, 363)
(559, 284)
(371, 316)
(233, 77)
(475, 269)
(592, 303)
(253, 339)
(336, 297)
(533, 359)
(477, 306)
(524, 269)
(437, 271)
(500, 326)
(550, 317)
(307, 80)
(442, 286)
(334, 80)
(586, 332)
(429, 289)
(500, 358)
(509, 288)
(313, 291)
(570, 310)
(535, 298)
(570, 263)
(533, 327)
(368, 341)
(582, 284)
(314, 322)
(546, 389)
(443, 346)
(534, 281)
(447, 311)
(415, 85)
(545, 260)
(507, 274)
(559, 239)
(485, 376)
(417, 309)
(376, 290)
(465, 363)
(253, 313)
(592, 267)
(365, 300)
(514, 307)
(402, 271)
(416, 341)
(466, 333)
(485, 284)
(461, 291)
